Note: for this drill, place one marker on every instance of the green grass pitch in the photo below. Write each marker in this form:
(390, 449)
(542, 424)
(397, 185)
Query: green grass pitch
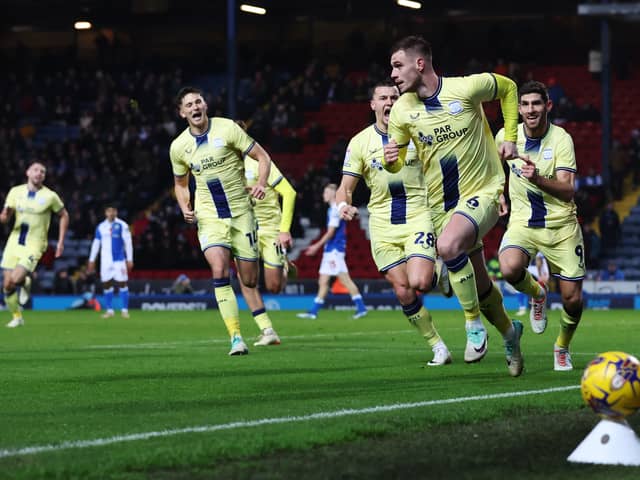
(157, 397)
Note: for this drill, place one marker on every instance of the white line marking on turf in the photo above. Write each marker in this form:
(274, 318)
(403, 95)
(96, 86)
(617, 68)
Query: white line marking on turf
(270, 421)
(220, 340)
(214, 341)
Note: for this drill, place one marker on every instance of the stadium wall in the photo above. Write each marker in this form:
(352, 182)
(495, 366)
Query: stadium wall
(300, 294)
(375, 301)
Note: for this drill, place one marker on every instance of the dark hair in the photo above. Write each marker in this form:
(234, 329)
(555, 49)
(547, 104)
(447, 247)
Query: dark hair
(381, 83)
(110, 205)
(415, 43)
(533, 86)
(38, 162)
(184, 91)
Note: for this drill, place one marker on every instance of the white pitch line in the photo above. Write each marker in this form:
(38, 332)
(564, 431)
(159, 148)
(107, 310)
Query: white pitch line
(220, 340)
(173, 345)
(98, 442)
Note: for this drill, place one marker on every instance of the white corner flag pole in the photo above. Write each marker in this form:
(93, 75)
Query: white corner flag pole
(609, 443)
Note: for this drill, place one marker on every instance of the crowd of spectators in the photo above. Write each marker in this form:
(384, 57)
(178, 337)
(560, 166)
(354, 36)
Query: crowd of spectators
(104, 136)
(110, 136)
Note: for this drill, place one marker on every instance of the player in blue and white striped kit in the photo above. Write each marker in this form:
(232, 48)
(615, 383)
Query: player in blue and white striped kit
(113, 240)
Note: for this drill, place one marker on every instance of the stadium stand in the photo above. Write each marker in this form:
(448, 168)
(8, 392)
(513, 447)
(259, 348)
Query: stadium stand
(105, 135)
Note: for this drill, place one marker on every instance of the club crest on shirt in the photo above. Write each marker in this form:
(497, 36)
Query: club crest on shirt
(455, 107)
(428, 139)
(218, 142)
(376, 164)
(547, 153)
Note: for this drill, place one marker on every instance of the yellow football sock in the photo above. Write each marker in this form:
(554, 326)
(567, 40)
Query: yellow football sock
(11, 301)
(262, 319)
(420, 318)
(529, 286)
(463, 282)
(228, 306)
(568, 325)
(492, 307)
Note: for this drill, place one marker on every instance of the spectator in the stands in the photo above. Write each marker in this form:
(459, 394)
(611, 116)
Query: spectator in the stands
(612, 272)
(62, 284)
(565, 111)
(182, 285)
(592, 180)
(81, 281)
(294, 142)
(593, 185)
(609, 227)
(280, 117)
(619, 163)
(591, 246)
(260, 126)
(260, 88)
(556, 92)
(312, 87)
(278, 140)
(587, 113)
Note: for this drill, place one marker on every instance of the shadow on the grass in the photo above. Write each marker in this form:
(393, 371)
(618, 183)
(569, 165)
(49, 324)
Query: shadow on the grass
(516, 447)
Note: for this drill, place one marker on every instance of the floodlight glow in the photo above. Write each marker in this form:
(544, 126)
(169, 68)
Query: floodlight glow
(410, 4)
(253, 9)
(82, 25)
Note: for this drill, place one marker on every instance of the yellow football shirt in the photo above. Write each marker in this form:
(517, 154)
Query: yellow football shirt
(452, 137)
(267, 211)
(395, 197)
(215, 159)
(530, 206)
(33, 211)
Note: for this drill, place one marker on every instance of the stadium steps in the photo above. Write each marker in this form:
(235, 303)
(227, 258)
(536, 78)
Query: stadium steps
(583, 88)
(337, 120)
(627, 252)
(301, 243)
(358, 256)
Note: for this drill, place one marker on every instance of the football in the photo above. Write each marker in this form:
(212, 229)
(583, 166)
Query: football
(611, 385)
